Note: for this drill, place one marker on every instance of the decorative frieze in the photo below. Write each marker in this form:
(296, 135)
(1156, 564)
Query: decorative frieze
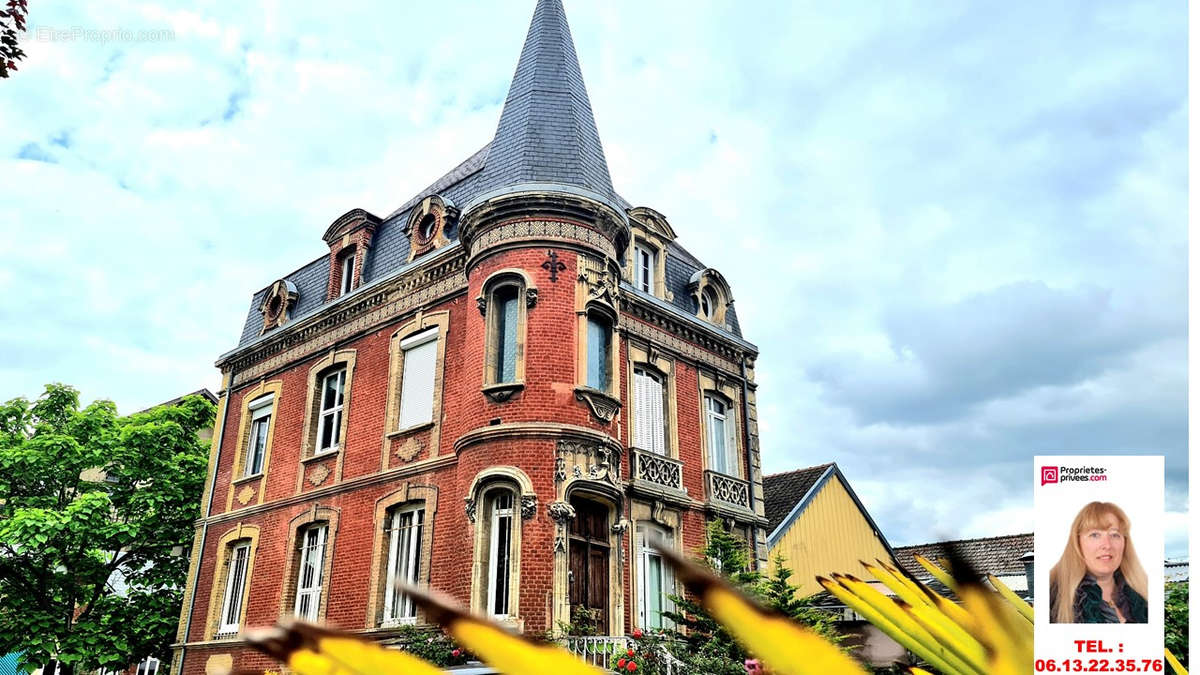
(540, 230)
(591, 461)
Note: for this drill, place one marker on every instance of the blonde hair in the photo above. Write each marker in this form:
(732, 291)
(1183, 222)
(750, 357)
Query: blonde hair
(1071, 568)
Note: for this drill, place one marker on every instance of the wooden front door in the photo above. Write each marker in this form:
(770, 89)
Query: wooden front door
(589, 551)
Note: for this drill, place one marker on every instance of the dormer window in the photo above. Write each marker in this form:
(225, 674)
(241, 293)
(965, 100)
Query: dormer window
(427, 228)
(347, 273)
(645, 264)
(708, 303)
(711, 294)
(428, 224)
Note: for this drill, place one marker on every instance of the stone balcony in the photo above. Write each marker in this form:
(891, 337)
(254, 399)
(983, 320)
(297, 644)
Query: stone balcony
(657, 475)
(728, 494)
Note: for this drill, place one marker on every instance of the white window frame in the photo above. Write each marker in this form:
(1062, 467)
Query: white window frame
(501, 518)
(403, 565)
(725, 462)
(645, 261)
(312, 556)
(410, 393)
(148, 666)
(650, 429)
(333, 412)
(347, 274)
(256, 449)
(647, 553)
(235, 587)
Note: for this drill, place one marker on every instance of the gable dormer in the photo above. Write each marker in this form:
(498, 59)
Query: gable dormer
(429, 225)
(349, 239)
(646, 259)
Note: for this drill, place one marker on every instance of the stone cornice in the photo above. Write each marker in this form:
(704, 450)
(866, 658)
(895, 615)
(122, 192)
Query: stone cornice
(641, 319)
(357, 313)
(533, 430)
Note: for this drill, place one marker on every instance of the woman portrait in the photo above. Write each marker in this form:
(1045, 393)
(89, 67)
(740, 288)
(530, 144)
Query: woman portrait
(1099, 578)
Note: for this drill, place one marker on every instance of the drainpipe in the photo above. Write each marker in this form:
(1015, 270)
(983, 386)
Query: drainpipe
(749, 454)
(212, 488)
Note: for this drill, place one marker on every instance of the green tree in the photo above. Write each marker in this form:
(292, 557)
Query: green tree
(1177, 620)
(92, 503)
(779, 594)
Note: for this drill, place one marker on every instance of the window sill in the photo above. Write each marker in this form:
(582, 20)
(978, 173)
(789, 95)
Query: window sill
(602, 404)
(320, 456)
(226, 635)
(247, 479)
(408, 430)
(499, 393)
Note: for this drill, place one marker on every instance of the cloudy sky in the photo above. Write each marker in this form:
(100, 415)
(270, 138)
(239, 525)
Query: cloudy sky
(957, 231)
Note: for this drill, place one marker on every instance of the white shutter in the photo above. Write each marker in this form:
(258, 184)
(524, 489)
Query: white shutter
(416, 390)
(657, 427)
(640, 425)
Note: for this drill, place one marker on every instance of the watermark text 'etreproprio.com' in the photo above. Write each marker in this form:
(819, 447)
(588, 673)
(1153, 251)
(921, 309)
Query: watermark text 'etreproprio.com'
(102, 35)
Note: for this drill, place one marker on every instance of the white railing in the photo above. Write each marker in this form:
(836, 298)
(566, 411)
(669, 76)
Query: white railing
(596, 650)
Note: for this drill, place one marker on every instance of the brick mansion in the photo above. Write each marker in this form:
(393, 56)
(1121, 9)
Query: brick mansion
(516, 388)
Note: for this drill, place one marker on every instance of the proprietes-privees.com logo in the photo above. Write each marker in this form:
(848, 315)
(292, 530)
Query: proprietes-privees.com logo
(1073, 474)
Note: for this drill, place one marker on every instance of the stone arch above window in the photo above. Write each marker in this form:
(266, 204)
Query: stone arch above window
(277, 304)
(349, 239)
(220, 597)
(646, 360)
(429, 225)
(505, 299)
(409, 498)
(645, 260)
(500, 499)
(712, 296)
(315, 516)
(326, 417)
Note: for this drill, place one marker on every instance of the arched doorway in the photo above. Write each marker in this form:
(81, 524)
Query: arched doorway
(588, 546)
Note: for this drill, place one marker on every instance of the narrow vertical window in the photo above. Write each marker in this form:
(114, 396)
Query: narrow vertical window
(332, 402)
(416, 388)
(505, 353)
(347, 274)
(149, 666)
(235, 584)
(649, 428)
(404, 527)
(599, 346)
(719, 431)
(310, 576)
(655, 580)
(643, 267)
(500, 553)
(260, 425)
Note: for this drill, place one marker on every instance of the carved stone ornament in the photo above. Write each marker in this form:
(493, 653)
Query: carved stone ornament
(561, 512)
(318, 474)
(470, 509)
(481, 303)
(528, 506)
(560, 469)
(531, 297)
(656, 512)
(620, 527)
(560, 543)
(277, 304)
(602, 405)
(245, 495)
(409, 449)
(591, 461)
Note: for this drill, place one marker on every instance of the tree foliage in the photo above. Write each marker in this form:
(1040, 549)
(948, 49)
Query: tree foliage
(12, 20)
(93, 508)
(707, 646)
(1177, 620)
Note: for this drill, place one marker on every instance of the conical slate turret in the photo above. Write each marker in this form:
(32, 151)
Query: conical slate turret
(547, 133)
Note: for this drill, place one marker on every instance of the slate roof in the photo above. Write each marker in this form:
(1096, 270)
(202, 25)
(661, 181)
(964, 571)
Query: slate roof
(546, 134)
(989, 555)
(782, 491)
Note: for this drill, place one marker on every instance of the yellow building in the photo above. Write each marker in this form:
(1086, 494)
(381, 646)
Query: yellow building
(819, 526)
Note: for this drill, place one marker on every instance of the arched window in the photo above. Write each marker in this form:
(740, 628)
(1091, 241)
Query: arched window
(708, 303)
(655, 580)
(504, 355)
(599, 351)
(500, 512)
(236, 573)
(311, 575)
(649, 423)
(506, 298)
(404, 529)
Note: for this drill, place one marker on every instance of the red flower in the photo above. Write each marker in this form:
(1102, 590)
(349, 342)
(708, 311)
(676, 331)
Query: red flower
(630, 652)
(620, 663)
(637, 634)
(631, 667)
(456, 653)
